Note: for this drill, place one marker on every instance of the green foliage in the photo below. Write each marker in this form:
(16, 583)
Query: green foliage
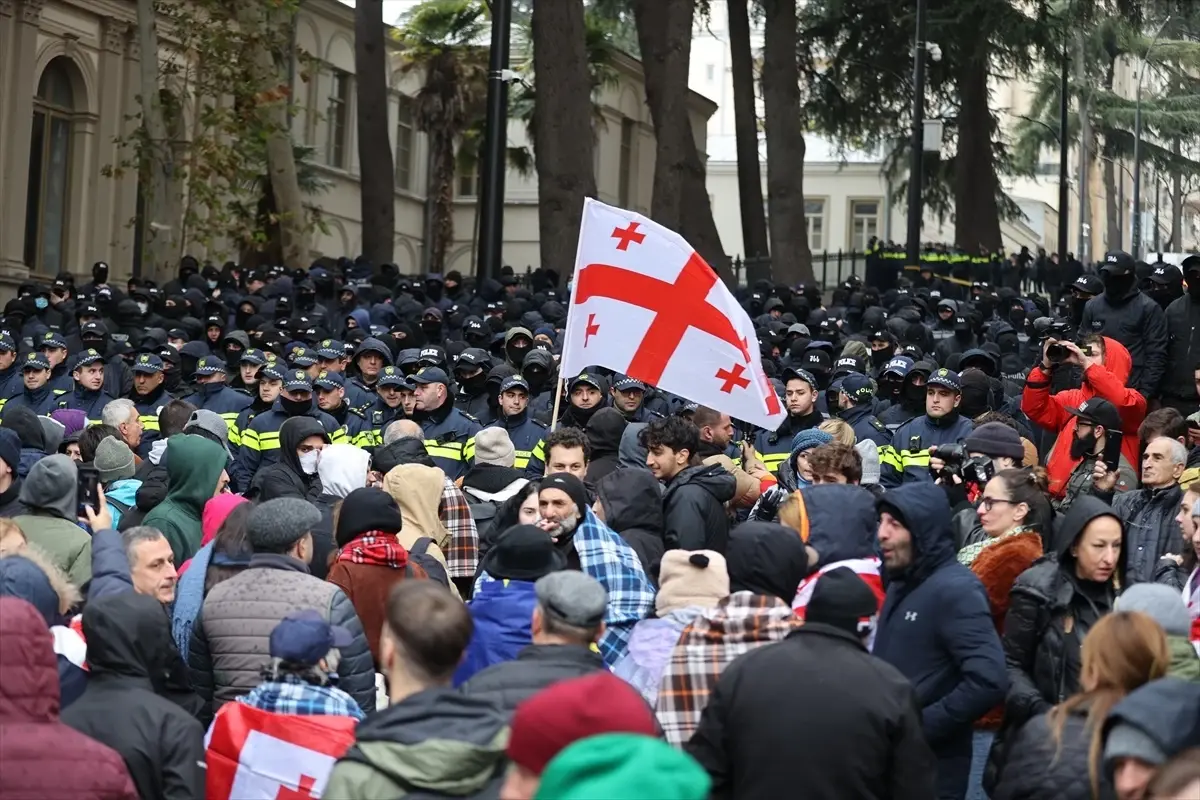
(216, 117)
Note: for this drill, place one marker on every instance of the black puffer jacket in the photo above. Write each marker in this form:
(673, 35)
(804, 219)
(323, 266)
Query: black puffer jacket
(1036, 769)
(285, 478)
(1137, 322)
(1183, 327)
(694, 506)
(1052, 610)
(1150, 529)
(510, 683)
(129, 642)
(632, 503)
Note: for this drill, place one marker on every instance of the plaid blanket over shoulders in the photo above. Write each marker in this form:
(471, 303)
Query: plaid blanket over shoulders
(738, 624)
(605, 556)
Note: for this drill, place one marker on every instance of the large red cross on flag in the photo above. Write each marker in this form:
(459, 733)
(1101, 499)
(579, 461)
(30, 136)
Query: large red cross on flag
(646, 304)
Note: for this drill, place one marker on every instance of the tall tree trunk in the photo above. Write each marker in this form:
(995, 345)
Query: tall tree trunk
(680, 200)
(562, 124)
(1112, 209)
(977, 211)
(160, 204)
(1086, 146)
(272, 91)
(376, 172)
(441, 186)
(745, 128)
(791, 260)
(1176, 203)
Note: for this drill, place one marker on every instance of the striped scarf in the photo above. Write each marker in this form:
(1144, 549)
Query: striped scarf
(968, 554)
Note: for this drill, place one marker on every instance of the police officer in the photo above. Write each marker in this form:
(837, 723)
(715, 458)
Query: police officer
(629, 397)
(248, 365)
(331, 398)
(370, 358)
(331, 357)
(36, 393)
(260, 441)
(118, 380)
(268, 386)
(525, 432)
(148, 396)
(300, 357)
(89, 395)
(53, 346)
(391, 390)
(470, 373)
(907, 457)
(10, 369)
(854, 406)
(449, 433)
(800, 398)
(213, 395)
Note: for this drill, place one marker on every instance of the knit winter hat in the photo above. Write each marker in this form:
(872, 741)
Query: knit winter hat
(1125, 740)
(113, 460)
(492, 446)
(568, 483)
(808, 439)
(869, 452)
(10, 449)
(690, 578)
(367, 509)
(568, 711)
(210, 425)
(996, 439)
(623, 765)
(277, 524)
(840, 598)
(1161, 603)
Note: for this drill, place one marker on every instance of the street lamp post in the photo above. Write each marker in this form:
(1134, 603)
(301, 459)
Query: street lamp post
(495, 139)
(1064, 190)
(1136, 244)
(916, 170)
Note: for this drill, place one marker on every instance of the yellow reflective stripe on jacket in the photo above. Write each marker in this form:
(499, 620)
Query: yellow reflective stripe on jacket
(231, 418)
(772, 461)
(899, 459)
(255, 440)
(469, 449)
(539, 450)
(149, 422)
(522, 458)
(365, 438)
(341, 435)
(452, 451)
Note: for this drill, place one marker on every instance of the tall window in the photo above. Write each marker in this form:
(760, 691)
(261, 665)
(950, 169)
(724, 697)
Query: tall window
(336, 115)
(405, 135)
(625, 179)
(814, 215)
(49, 169)
(864, 223)
(468, 183)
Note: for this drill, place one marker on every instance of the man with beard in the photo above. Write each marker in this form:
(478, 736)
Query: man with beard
(1095, 421)
(331, 398)
(449, 433)
(148, 396)
(470, 373)
(800, 398)
(629, 397)
(1126, 314)
(526, 433)
(1183, 326)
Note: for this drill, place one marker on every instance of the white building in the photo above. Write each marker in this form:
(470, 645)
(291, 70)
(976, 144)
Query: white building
(68, 87)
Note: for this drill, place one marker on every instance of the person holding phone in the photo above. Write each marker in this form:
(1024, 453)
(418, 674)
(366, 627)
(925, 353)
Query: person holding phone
(1098, 443)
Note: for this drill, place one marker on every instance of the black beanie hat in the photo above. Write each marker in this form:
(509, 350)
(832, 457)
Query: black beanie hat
(367, 509)
(996, 439)
(569, 484)
(840, 598)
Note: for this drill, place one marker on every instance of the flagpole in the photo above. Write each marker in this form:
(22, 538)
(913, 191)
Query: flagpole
(558, 387)
(570, 305)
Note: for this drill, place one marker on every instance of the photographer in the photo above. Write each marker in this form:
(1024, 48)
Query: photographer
(1106, 366)
(963, 470)
(1096, 421)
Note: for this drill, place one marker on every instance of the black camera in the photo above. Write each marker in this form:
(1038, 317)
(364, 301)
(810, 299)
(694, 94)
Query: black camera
(971, 469)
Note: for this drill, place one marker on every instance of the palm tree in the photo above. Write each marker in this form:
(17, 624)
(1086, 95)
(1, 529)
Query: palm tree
(442, 40)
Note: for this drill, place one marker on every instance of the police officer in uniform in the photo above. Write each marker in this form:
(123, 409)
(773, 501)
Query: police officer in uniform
(391, 388)
(854, 407)
(36, 394)
(331, 398)
(800, 398)
(331, 357)
(89, 395)
(449, 433)
(148, 396)
(260, 441)
(10, 369)
(907, 457)
(629, 397)
(213, 395)
(526, 433)
(53, 345)
(267, 388)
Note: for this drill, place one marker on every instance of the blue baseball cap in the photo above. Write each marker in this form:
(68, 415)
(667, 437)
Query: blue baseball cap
(35, 360)
(305, 637)
(296, 380)
(628, 384)
(85, 357)
(858, 387)
(899, 365)
(329, 380)
(273, 371)
(253, 356)
(7, 344)
(428, 375)
(514, 382)
(393, 376)
(301, 356)
(210, 365)
(52, 339)
(945, 377)
(147, 364)
(331, 348)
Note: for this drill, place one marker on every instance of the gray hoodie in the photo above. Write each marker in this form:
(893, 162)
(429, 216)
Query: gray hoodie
(631, 453)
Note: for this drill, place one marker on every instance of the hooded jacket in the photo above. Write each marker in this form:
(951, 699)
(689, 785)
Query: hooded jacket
(632, 453)
(1107, 381)
(435, 743)
(22, 421)
(194, 465)
(604, 435)
(1138, 323)
(129, 640)
(633, 507)
(44, 758)
(936, 628)
(1183, 327)
(694, 507)
(50, 522)
(261, 446)
(1167, 711)
(285, 478)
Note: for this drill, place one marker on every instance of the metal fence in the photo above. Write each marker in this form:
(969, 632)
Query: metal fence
(830, 268)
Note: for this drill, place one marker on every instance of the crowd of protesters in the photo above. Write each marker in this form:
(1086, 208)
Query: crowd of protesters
(965, 565)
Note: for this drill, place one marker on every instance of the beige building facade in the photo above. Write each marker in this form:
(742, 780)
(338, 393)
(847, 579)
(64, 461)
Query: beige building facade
(69, 85)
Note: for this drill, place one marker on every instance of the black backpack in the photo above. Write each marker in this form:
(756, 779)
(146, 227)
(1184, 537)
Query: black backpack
(419, 554)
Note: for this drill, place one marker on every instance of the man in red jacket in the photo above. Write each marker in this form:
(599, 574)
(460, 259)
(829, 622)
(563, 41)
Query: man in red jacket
(1106, 367)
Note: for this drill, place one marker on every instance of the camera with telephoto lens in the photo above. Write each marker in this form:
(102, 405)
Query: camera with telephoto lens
(971, 469)
(1061, 331)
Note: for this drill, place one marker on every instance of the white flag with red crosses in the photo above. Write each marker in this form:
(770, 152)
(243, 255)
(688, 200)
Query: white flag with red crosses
(644, 303)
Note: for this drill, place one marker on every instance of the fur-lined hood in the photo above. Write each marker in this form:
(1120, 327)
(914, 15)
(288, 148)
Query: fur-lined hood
(31, 575)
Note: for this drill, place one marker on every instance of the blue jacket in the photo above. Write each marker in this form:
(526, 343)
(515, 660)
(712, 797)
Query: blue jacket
(906, 459)
(225, 401)
(124, 492)
(148, 408)
(450, 439)
(936, 628)
(866, 425)
(526, 434)
(91, 403)
(502, 611)
(40, 402)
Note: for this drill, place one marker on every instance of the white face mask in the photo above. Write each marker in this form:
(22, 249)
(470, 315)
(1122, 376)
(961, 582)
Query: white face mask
(308, 462)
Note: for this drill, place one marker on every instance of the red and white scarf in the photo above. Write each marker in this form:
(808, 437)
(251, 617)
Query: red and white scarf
(375, 547)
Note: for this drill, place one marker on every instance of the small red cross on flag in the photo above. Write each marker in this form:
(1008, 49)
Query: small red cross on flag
(644, 303)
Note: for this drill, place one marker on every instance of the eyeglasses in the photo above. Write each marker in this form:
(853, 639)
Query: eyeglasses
(986, 503)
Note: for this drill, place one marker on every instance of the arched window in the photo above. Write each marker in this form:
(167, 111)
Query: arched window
(49, 169)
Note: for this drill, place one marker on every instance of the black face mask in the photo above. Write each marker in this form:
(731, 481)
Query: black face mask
(1077, 308)
(1081, 448)
(1117, 286)
(171, 380)
(431, 327)
(294, 408)
(963, 336)
(881, 357)
(1017, 317)
(516, 355)
(1194, 286)
(914, 395)
(474, 385)
(889, 387)
(538, 379)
